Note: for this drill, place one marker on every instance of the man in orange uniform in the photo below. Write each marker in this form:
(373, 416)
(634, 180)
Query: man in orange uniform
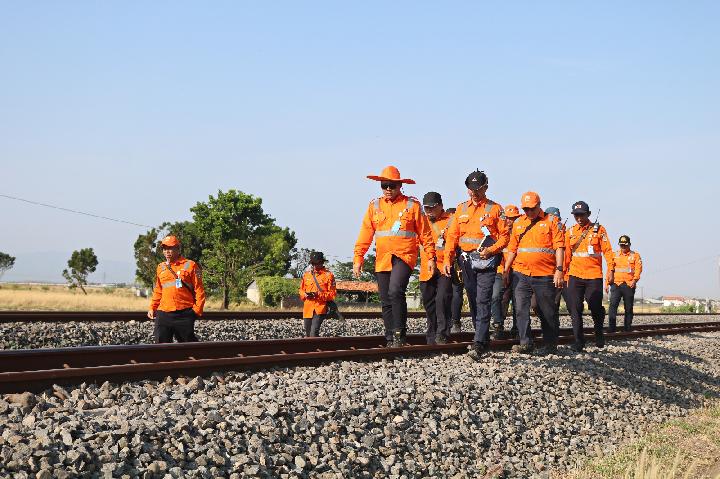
(535, 262)
(436, 288)
(458, 290)
(479, 229)
(585, 245)
(398, 226)
(628, 267)
(316, 289)
(178, 297)
(501, 295)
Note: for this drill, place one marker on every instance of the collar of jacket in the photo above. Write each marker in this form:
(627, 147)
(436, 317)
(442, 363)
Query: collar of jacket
(443, 216)
(180, 260)
(399, 198)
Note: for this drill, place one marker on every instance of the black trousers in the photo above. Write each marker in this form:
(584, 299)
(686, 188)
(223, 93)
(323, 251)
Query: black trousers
(558, 295)
(479, 287)
(543, 288)
(628, 296)
(590, 290)
(458, 289)
(178, 324)
(437, 300)
(507, 298)
(312, 325)
(391, 288)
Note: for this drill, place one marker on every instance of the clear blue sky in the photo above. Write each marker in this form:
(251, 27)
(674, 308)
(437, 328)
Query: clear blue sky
(137, 110)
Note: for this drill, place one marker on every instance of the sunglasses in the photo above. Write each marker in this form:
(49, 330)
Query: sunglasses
(389, 185)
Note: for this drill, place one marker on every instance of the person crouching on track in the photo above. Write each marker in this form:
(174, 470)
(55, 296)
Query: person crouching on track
(398, 226)
(479, 229)
(436, 288)
(178, 296)
(585, 245)
(535, 260)
(316, 289)
(628, 267)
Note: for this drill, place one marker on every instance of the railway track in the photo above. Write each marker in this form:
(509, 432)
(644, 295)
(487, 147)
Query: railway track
(37, 369)
(110, 316)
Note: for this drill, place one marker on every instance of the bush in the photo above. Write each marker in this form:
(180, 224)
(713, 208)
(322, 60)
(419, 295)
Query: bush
(274, 288)
(684, 308)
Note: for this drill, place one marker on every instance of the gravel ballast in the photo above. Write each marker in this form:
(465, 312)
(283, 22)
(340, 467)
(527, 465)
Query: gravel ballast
(30, 335)
(442, 416)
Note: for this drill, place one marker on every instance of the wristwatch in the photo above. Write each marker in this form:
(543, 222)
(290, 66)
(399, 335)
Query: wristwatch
(559, 268)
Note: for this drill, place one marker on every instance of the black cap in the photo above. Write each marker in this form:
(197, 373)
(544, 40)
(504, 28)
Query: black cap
(580, 207)
(476, 180)
(316, 257)
(432, 199)
(450, 210)
(624, 240)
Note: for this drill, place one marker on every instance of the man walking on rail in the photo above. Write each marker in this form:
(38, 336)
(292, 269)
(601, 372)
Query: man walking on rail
(436, 288)
(628, 267)
(178, 296)
(535, 266)
(317, 287)
(398, 225)
(585, 245)
(479, 229)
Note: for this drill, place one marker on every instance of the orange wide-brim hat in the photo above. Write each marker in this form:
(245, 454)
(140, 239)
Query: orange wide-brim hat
(390, 173)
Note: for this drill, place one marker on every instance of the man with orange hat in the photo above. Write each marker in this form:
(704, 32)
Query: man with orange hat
(585, 245)
(397, 224)
(436, 288)
(536, 255)
(480, 231)
(628, 267)
(502, 295)
(178, 296)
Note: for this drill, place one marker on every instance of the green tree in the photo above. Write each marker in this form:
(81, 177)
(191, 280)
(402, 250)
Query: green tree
(241, 241)
(148, 253)
(81, 264)
(6, 263)
(343, 270)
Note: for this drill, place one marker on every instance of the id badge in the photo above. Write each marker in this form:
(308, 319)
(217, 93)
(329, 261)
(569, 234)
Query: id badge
(178, 282)
(441, 243)
(591, 250)
(485, 230)
(395, 227)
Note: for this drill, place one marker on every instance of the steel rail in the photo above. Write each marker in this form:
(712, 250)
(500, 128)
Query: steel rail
(35, 370)
(111, 316)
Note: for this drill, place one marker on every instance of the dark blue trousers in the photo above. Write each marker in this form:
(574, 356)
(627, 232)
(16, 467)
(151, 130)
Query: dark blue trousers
(524, 286)
(479, 287)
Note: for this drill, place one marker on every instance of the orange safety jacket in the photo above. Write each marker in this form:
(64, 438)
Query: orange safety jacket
(628, 266)
(398, 226)
(535, 251)
(327, 291)
(438, 229)
(470, 225)
(586, 261)
(191, 293)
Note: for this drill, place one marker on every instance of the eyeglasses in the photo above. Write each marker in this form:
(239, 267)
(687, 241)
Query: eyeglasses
(388, 185)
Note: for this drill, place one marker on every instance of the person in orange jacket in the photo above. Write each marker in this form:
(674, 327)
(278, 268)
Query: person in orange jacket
(628, 267)
(535, 264)
(317, 287)
(436, 288)
(178, 296)
(501, 295)
(397, 224)
(480, 231)
(585, 245)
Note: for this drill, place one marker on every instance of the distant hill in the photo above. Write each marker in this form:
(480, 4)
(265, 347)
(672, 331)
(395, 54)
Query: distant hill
(47, 266)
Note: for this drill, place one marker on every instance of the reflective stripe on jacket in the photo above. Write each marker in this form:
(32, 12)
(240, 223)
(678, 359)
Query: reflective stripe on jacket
(469, 227)
(586, 261)
(168, 297)
(628, 267)
(379, 221)
(535, 251)
(327, 292)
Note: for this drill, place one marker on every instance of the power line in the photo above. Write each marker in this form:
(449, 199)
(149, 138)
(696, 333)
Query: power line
(74, 211)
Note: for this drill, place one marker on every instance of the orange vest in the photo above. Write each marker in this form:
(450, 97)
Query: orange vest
(439, 232)
(586, 261)
(168, 297)
(398, 227)
(472, 223)
(535, 251)
(327, 291)
(627, 266)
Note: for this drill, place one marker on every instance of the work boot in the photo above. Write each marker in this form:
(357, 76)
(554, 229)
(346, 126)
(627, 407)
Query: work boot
(478, 351)
(399, 340)
(514, 332)
(550, 348)
(499, 331)
(440, 339)
(600, 341)
(456, 328)
(523, 348)
(578, 348)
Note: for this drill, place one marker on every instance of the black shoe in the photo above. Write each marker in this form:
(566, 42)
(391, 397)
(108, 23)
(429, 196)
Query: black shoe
(390, 344)
(399, 339)
(578, 348)
(548, 349)
(523, 348)
(440, 339)
(478, 351)
(456, 328)
(600, 341)
(514, 333)
(498, 332)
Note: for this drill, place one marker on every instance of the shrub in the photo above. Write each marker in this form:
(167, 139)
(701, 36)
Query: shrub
(274, 288)
(683, 308)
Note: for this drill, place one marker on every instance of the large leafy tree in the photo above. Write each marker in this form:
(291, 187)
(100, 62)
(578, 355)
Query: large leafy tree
(80, 264)
(343, 270)
(240, 242)
(148, 253)
(6, 263)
